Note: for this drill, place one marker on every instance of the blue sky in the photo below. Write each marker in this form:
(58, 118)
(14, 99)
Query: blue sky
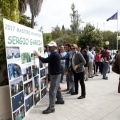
(57, 12)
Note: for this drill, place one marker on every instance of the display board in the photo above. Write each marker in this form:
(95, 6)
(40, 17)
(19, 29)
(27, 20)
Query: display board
(26, 74)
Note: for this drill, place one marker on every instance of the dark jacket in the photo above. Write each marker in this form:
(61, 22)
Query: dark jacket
(116, 68)
(86, 57)
(54, 63)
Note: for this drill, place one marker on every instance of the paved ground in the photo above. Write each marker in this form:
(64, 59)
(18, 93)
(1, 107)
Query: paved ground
(102, 102)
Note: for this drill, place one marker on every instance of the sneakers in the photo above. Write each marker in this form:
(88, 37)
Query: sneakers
(48, 110)
(60, 102)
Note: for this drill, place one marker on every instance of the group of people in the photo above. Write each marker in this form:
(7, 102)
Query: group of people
(77, 64)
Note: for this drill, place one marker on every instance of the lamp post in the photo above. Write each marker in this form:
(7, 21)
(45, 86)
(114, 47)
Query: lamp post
(107, 43)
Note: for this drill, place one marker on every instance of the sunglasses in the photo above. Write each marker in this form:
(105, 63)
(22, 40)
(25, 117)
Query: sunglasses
(72, 48)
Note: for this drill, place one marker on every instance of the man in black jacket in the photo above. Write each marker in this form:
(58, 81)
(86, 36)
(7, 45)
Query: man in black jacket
(54, 61)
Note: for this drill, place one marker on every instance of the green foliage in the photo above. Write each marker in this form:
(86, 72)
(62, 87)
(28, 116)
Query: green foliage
(47, 37)
(24, 20)
(90, 37)
(8, 10)
(56, 32)
(112, 38)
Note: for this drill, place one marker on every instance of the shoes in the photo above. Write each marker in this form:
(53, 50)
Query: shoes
(91, 77)
(74, 93)
(68, 92)
(81, 97)
(60, 102)
(105, 78)
(65, 90)
(86, 79)
(48, 110)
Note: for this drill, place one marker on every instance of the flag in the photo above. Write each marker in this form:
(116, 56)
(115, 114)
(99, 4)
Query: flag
(113, 17)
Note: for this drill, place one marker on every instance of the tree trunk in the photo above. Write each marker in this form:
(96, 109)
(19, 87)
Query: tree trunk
(32, 21)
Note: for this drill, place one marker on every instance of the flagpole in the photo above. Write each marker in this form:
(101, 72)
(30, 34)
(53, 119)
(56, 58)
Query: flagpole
(117, 29)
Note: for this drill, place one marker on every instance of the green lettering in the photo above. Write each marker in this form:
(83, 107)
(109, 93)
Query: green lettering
(9, 40)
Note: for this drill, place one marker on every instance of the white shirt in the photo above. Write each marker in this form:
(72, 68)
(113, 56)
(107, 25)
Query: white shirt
(91, 56)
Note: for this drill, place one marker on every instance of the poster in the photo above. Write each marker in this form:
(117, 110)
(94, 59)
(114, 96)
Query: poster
(26, 73)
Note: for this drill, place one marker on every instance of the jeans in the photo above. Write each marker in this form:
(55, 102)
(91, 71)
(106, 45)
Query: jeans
(54, 91)
(62, 71)
(105, 68)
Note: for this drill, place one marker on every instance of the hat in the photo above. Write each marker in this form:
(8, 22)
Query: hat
(52, 44)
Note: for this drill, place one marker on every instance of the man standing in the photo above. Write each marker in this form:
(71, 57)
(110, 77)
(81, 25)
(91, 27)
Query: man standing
(55, 76)
(105, 56)
(69, 72)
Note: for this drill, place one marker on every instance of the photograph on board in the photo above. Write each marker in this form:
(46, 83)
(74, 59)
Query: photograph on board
(29, 102)
(35, 70)
(43, 83)
(43, 92)
(19, 114)
(12, 52)
(16, 86)
(36, 83)
(14, 71)
(42, 73)
(37, 97)
(28, 88)
(17, 101)
(25, 58)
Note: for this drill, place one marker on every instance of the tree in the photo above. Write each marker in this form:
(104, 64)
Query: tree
(22, 5)
(90, 37)
(47, 37)
(56, 32)
(8, 10)
(75, 19)
(35, 8)
(24, 20)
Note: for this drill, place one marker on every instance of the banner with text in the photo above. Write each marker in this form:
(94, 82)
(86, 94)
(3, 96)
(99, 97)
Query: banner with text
(26, 74)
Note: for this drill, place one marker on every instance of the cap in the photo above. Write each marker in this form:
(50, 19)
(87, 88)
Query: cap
(52, 44)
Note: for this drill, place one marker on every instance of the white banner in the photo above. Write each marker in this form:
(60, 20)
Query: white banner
(25, 71)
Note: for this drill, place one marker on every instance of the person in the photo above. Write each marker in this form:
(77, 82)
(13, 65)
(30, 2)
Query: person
(77, 64)
(69, 72)
(62, 53)
(86, 57)
(55, 76)
(105, 56)
(97, 61)
(90, 63)
(116, 68)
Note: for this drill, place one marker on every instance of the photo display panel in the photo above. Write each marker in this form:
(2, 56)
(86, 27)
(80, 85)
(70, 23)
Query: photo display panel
(26, 73)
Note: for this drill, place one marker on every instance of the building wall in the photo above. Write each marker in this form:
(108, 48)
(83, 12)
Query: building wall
(5, 104)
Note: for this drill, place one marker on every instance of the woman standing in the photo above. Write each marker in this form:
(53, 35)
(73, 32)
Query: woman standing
(77, 64)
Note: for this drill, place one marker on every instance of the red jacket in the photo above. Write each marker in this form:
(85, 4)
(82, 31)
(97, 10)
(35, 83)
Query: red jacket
(97, 57)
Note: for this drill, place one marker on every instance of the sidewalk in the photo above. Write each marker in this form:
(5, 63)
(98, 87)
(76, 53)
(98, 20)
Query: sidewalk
(102, 102)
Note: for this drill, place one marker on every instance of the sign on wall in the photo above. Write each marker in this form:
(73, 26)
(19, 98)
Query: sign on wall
(26, 74)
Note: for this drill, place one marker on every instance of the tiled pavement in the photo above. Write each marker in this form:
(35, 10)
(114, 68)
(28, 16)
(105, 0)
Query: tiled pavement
(102, 102)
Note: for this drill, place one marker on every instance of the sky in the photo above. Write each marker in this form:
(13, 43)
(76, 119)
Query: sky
(96, 12)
